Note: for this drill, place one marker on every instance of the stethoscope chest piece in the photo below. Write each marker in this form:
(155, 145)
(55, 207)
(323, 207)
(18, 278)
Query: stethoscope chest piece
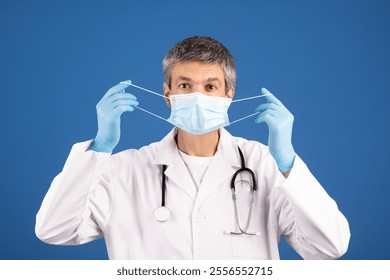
(161, 214)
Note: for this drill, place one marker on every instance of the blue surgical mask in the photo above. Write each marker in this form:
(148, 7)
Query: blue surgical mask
(197, 113)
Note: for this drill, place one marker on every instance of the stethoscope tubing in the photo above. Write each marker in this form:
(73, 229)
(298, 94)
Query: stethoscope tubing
(162, 213)
(163, 186)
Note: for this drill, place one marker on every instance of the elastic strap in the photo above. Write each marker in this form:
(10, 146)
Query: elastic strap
(141, 88)
(252, 97)
(153, 114)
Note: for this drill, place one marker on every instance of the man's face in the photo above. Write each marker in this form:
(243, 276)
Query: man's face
(188, 77)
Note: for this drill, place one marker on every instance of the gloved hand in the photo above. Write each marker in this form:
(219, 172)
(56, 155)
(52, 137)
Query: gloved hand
(280, 124)
(109, 111)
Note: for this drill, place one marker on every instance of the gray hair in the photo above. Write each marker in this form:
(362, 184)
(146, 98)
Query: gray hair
(202, 49)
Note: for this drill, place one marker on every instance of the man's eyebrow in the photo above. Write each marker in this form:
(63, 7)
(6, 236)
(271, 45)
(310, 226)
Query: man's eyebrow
(183, 78)
(209, 80)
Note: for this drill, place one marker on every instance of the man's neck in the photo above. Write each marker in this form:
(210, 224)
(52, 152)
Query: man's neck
(203, 145)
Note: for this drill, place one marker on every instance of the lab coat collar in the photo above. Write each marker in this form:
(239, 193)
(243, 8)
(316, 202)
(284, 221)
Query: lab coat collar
(167, 149)
(227, 148)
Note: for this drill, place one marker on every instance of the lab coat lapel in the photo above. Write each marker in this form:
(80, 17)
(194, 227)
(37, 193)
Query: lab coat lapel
(179, 173)
(221, 169)
(176, 171)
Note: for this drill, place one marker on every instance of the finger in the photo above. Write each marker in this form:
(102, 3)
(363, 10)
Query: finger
(107, 103)
(121, 95)
(266, 106)
(127, 82)
(117, 88)
(120, 102)
(119, 110)
(265, 116)
(270, 97)
(265, 91)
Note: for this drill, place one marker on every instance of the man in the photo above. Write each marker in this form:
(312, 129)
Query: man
(175, 199)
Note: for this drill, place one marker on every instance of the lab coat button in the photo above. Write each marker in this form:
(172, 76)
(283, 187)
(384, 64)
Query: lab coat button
(200, 218)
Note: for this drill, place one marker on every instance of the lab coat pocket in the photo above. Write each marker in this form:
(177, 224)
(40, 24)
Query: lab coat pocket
(246, 246)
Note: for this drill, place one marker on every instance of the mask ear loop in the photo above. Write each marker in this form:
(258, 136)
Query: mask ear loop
(252, 97)
(144, 89)
(243, 118)
(150, 91)
(244, 99)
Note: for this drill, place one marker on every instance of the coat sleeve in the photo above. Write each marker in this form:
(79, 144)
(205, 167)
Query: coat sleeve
(308, 217)
(79, 200)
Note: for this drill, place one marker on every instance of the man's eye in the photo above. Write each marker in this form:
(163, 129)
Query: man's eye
(211, 87)
(184, 86)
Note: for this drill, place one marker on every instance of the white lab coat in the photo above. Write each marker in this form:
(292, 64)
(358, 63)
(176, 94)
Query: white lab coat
(114, 196)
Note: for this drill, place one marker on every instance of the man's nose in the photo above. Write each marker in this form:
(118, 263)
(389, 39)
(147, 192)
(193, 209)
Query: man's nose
(199, 88)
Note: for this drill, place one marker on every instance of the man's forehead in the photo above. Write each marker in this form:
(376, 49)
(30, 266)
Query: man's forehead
(195, 70)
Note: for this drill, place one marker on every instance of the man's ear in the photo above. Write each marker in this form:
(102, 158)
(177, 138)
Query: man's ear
(167, 92)
(230, 93)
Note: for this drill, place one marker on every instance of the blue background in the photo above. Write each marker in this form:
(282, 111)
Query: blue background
(328, 61)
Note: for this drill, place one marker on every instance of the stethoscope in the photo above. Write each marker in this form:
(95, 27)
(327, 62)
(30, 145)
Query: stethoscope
(162, 213)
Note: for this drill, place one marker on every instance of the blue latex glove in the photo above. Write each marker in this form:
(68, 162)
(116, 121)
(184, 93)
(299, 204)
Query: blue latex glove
(109, 111)
(280, 124)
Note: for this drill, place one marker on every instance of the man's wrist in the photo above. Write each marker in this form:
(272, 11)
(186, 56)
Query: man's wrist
(286, 162)
(97, 146)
